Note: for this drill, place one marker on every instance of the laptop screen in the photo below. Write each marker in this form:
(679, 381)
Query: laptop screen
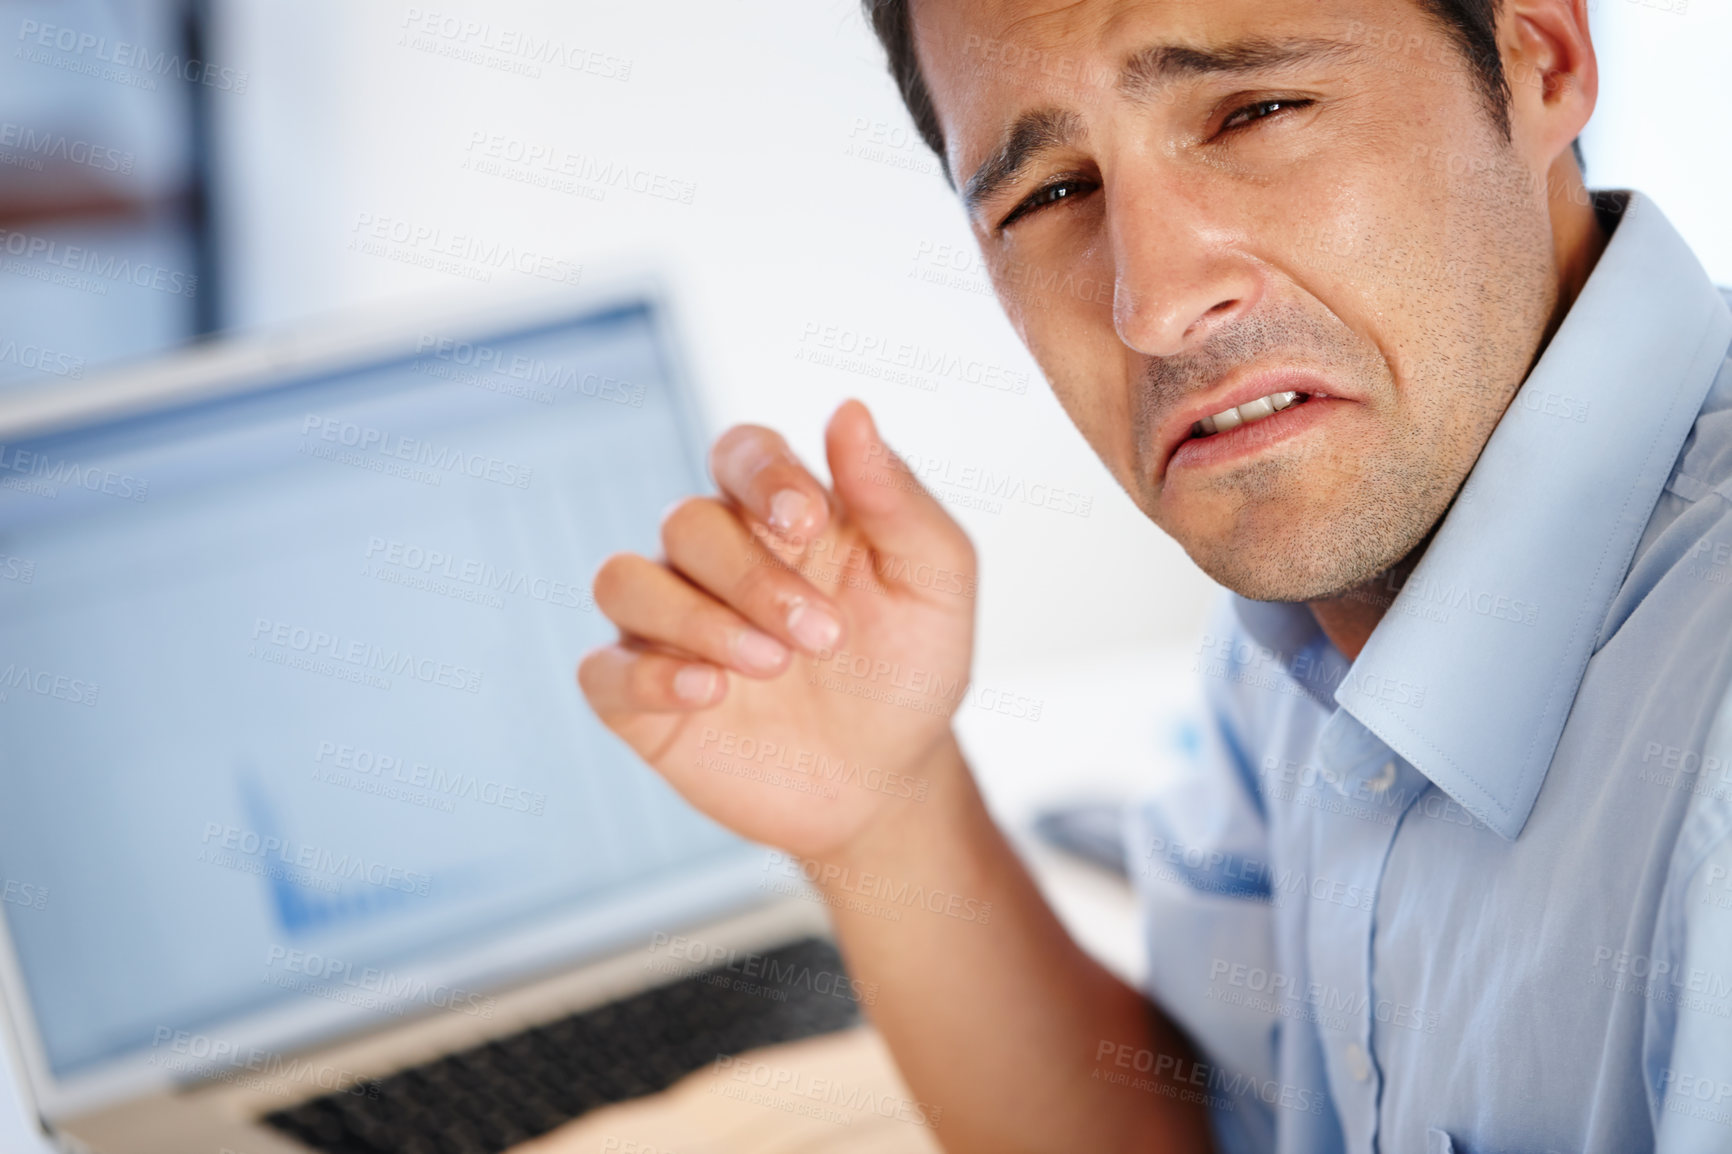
(286, 683)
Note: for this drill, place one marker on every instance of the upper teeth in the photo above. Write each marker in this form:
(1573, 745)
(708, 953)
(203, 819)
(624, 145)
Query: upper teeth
(1244, 414)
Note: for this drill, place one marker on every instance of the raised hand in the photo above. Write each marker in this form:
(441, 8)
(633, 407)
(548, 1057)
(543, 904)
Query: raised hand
(792, 663)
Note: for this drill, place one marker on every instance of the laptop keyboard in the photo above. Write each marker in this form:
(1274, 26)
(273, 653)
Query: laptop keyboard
(491, 1097)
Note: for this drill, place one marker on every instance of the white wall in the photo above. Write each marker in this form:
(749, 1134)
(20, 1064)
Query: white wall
(766, 108)
(813, 206)
(1662, 123)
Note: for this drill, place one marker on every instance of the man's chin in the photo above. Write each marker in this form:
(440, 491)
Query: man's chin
(1256, 589)
(1292, 573)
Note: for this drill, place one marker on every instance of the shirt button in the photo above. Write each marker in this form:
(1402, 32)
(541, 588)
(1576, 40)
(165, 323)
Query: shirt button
(1358, 1065)
(1384, 779)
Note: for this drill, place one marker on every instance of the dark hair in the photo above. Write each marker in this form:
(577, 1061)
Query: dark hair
(1472, 24)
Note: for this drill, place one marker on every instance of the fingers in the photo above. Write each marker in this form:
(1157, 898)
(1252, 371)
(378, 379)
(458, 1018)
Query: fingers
(707, 544)
(720, 603)
(650, 603)
(626, 679)
(755, 468)
(889, 504)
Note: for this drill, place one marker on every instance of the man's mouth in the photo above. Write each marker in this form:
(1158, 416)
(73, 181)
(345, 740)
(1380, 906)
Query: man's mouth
(1248, 413)
(1296, 401)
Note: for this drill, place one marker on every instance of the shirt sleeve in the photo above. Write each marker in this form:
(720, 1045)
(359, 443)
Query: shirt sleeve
(1197, 854)
(1689, 1046)
(1694, 1082)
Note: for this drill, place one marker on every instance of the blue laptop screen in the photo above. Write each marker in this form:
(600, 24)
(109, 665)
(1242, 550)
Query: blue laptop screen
(286, 679)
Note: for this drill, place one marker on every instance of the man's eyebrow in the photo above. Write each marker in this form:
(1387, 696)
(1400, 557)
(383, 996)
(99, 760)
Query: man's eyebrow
(1152, 68)
(1146, 72)
(1033, 133)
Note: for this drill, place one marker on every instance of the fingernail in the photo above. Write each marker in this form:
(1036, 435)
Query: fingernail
(759, 650)
(786, 510)
(813, 628)
(695, 683)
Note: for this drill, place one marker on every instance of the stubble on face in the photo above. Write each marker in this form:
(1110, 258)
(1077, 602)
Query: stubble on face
(1474, 274)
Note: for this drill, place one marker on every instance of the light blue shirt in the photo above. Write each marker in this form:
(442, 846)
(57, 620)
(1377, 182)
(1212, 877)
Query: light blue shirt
(1473, 891)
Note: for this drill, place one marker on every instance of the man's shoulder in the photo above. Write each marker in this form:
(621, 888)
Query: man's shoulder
(1688, 539)
(1705, 465)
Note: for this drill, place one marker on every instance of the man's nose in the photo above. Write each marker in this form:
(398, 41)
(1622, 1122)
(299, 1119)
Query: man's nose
(1178, 276)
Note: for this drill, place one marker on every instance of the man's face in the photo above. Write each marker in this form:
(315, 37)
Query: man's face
(1294, 210)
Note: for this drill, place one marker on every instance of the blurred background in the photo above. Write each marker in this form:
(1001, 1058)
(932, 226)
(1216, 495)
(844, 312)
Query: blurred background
(756, 153)
(332, 159)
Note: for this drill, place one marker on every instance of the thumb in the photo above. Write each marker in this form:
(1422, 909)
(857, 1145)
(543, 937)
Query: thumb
(897, 514)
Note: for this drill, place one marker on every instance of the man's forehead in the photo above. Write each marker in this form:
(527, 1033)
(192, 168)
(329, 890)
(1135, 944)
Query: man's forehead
(1022, 43)
(986, 62)
(1012, 40)
(1056, 20)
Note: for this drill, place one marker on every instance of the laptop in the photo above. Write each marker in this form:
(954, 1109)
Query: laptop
(305, 829)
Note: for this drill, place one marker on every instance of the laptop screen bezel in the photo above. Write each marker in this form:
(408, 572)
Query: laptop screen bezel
(235, 368)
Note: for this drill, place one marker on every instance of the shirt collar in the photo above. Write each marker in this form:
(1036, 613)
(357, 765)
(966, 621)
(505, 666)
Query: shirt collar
(1471, 673)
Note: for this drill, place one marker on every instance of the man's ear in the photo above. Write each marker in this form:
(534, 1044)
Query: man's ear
(1548, 60)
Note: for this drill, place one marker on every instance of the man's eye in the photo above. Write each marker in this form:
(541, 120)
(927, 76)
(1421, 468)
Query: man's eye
(1047, 195)
(1259, 110)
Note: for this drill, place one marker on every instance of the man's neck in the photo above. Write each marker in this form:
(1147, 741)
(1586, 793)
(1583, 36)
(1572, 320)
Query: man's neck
(1348, 619)
(1578, 238)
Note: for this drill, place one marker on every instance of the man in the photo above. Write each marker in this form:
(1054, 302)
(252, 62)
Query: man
(1321, 284)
